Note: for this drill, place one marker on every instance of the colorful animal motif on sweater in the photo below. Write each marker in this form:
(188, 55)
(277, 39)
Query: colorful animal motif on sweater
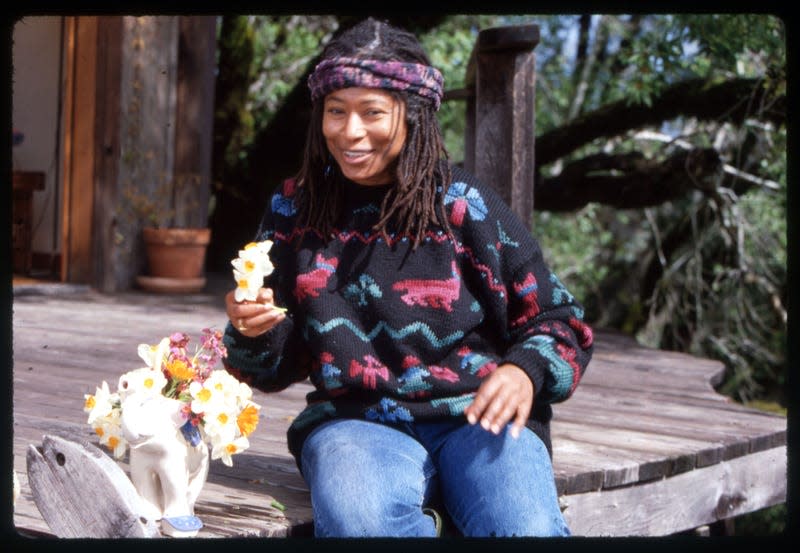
(439, 294)
(412, 380)
(365, 289)
(503, 241)
(309, 284)
(329, 372)
(563, 368)
(284, 203)
(369, 371)
(528, 292)
(476, 363)
(389, 411)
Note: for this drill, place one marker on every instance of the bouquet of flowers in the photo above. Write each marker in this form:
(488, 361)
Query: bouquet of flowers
(216, 406)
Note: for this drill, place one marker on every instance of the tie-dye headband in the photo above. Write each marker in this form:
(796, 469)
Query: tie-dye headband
(342, 72)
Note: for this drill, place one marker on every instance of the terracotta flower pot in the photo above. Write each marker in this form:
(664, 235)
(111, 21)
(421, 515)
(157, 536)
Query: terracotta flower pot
(175, 258)
(176, 252)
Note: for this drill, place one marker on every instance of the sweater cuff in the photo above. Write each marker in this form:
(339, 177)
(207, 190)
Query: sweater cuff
(525, 361)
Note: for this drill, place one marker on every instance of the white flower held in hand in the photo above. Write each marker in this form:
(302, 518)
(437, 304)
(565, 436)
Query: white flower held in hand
(250, 268)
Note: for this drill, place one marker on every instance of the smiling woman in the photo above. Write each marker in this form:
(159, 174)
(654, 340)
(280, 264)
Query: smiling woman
(365, 130)
(420, 308)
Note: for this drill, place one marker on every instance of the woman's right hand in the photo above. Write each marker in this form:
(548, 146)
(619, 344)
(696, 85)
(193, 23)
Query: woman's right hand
(253, 318)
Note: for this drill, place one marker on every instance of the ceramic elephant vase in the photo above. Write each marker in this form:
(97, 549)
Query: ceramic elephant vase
(166, 468)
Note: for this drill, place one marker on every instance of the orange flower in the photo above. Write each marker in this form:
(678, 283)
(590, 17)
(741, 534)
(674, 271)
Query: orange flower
(180, 369)
(247, 420)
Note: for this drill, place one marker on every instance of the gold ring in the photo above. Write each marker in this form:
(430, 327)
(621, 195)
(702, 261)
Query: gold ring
(241, 325)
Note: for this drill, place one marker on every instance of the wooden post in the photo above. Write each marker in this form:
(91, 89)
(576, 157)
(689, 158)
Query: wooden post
(107, 150)
(80, 105)
(194, 118)
(147, 104)
(501, 122)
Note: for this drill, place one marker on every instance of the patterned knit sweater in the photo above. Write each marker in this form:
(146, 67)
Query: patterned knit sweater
(392, 334)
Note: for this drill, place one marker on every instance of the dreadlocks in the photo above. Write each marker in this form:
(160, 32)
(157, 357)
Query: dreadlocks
(416, 202)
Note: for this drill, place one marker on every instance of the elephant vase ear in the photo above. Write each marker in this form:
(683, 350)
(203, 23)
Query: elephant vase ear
(146, 415)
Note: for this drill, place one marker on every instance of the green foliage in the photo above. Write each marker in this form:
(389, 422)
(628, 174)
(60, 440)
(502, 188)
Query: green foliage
(284, 46)
(764, 522)
(730, 39)
(233, 121)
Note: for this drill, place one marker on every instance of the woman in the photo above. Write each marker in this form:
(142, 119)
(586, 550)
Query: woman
(420, 308)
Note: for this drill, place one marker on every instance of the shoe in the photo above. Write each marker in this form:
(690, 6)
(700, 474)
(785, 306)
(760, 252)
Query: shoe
(437, 519)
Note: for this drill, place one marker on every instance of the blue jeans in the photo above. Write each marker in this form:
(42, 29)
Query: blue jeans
(370, 479)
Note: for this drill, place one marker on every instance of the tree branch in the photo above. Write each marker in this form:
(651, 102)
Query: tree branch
(732, 100)
(627, 181)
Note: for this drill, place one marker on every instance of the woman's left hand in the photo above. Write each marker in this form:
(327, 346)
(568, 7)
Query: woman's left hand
(506, 394)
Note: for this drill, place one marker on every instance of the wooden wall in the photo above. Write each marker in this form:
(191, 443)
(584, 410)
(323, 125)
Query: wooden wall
(138, 116)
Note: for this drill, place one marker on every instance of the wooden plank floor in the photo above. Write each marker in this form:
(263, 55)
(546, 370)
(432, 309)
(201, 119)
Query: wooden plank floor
(645, 446)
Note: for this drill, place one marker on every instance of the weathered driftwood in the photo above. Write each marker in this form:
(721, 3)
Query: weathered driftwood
(82, 493)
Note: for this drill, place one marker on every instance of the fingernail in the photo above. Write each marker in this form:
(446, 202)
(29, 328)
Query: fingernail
(471, 418)
(496, 429)
(514, 432)
(485, 424)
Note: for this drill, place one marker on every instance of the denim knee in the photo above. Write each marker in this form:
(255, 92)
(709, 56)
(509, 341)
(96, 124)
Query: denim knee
(366, 487)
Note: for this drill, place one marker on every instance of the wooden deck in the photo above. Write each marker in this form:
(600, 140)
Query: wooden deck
(644, 447)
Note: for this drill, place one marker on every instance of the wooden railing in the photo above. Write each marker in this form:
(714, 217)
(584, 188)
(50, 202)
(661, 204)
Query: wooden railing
(500, 115)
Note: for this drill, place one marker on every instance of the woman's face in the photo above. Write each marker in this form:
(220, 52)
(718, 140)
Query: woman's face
(364, 129)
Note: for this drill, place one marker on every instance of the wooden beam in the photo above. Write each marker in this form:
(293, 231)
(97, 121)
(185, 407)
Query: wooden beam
(684, 501)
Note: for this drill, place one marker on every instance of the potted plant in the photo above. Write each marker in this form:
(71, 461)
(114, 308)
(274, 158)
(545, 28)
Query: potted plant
(175, 254)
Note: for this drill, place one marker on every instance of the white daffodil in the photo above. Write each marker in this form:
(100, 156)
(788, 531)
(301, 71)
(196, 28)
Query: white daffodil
(154, 356)
(244, 393)
(247, 285)
(226, 384)
(258, 253)
(147, 380)
(110, 433)
(250, 268)
(220, 426)
(100, 404)
(226, 450)
(205, 399)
